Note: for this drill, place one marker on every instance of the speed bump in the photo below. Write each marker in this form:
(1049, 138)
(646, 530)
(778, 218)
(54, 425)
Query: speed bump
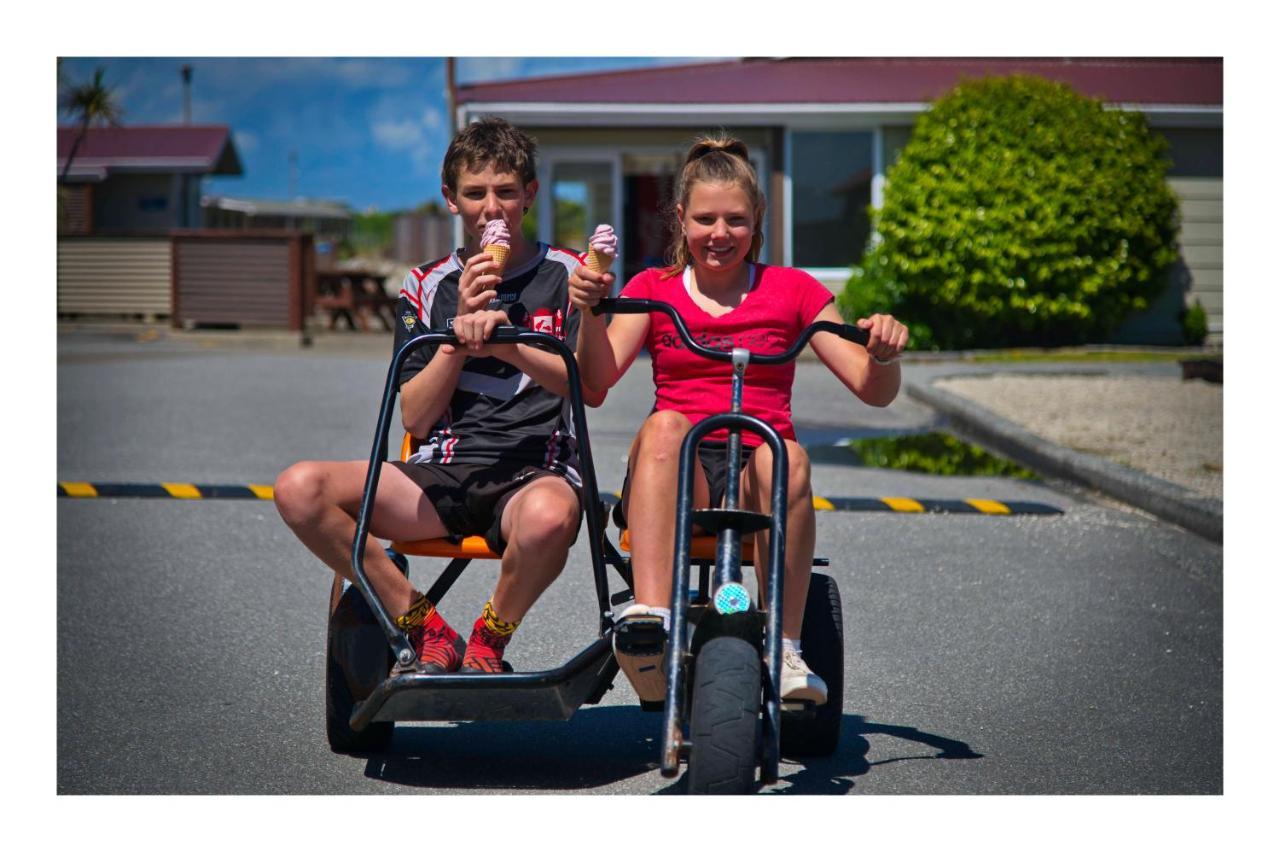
(903, 505)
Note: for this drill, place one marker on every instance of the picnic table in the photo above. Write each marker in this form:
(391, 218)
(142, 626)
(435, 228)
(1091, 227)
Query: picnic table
(354, 297)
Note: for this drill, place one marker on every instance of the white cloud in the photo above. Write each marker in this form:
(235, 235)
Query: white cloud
(398, 135)
(245, 140)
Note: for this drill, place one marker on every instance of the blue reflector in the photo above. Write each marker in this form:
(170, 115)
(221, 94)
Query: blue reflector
(731, 598)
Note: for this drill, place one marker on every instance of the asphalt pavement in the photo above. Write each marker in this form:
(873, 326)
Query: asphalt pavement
(1071, 653)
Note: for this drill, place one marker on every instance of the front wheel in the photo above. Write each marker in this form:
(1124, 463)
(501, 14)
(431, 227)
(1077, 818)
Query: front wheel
(822, 639)
(724, 720)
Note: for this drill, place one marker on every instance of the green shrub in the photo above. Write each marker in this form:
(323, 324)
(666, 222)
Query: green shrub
(1195, 324)
(1019, 213)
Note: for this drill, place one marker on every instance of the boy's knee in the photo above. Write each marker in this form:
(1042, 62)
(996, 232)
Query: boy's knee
(298, 492)
(547, 519)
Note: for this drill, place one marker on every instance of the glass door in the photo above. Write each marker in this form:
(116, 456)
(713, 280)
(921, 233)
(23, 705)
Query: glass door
(579, 192)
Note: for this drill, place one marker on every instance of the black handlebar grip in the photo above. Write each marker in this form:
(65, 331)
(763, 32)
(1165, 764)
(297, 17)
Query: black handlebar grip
(621, 306)
(853, 334)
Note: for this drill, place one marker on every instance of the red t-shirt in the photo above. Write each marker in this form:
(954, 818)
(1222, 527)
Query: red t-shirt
(780, 304)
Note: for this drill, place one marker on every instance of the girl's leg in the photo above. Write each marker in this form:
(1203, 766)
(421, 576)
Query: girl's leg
(757, 483)
(650, 503)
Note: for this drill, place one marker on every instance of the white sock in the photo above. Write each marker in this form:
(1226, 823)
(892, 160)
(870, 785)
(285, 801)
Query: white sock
(791, 645)
(666, 616)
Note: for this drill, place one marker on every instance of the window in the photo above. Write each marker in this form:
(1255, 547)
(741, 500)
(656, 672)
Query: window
(831, 175)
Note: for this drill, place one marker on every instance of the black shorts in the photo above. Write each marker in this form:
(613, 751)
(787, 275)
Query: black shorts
(714, 458)
(470, 498)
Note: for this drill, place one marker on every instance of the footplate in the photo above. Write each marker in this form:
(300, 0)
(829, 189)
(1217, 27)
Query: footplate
(552, 694)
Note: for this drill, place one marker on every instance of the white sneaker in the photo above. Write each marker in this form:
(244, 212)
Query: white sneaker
(799, 683)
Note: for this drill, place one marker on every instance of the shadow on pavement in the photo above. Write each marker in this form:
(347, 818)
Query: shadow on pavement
(834, 775)
(604, 745)
(597, 747)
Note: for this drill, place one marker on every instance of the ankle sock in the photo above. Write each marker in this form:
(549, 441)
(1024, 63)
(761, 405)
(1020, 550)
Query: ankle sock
(666, 616)
(791, 645)
(420, 612)
(494, 624)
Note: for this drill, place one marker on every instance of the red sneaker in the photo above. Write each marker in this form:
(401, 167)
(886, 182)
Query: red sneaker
(484, 650)
(438, 645)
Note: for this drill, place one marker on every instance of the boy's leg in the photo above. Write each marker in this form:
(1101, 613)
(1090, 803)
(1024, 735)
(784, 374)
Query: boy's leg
(539, 523)
(320, 501)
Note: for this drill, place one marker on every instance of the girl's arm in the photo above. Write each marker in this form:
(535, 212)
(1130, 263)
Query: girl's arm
(605, 350)
(873, 383)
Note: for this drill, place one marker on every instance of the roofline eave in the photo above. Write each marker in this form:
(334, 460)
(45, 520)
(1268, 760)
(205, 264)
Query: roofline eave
(548, 113)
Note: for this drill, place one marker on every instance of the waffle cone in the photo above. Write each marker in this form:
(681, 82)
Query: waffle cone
(598, 261)
(499, 255)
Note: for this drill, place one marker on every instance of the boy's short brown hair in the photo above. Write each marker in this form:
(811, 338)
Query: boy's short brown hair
(490, 142)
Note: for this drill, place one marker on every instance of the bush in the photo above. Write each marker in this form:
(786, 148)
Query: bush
(1019, 213)
(1195, 324)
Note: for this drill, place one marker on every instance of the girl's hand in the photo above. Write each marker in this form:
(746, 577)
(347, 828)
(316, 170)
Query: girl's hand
(888, 337)
(587, 288)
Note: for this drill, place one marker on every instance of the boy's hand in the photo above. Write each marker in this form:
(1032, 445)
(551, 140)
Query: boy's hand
(473, 329)
(478, 285)
(587, 288)
(888, 336)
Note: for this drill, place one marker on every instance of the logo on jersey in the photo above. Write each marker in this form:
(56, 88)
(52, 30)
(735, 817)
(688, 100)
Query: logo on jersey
(409, 321)
(542, 320)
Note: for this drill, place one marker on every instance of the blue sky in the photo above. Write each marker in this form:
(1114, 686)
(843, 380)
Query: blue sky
(367, 131)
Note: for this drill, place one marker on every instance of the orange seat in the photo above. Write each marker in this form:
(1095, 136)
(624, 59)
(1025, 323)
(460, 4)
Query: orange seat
(702, 548)
(471, 547)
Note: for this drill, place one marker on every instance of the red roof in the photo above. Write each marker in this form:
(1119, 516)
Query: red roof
(205, 149)
(1173, 82)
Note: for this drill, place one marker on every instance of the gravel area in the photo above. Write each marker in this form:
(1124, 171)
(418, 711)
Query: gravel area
(1166, 427)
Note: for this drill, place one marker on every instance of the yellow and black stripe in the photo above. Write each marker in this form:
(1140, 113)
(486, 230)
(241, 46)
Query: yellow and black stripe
(907, 505)
(165, 490)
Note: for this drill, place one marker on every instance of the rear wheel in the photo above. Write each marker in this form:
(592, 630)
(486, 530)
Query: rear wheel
(822, 641)
(357, 659)
(724, 721)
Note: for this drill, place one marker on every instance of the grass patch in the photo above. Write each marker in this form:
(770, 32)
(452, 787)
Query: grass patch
(936, 453)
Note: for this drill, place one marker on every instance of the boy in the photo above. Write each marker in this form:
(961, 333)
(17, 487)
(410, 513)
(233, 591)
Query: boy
(498, 456)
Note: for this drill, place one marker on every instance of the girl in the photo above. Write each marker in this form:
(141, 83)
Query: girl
(724, 296)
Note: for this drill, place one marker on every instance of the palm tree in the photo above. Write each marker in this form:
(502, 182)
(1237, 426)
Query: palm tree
(90, 104)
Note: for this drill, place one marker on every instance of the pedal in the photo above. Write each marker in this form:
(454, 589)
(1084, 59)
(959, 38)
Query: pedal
(802, 709)
(639, 643)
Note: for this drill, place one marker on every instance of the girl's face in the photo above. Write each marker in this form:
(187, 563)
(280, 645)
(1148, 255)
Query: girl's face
(719, 224)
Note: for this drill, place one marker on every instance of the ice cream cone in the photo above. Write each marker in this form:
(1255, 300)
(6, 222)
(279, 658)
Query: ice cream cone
(598, 261)
(499, 255)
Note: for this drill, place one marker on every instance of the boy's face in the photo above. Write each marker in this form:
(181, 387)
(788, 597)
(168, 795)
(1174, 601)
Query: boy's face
(487, 195)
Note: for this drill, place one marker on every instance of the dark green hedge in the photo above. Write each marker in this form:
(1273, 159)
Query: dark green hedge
(1019, 213)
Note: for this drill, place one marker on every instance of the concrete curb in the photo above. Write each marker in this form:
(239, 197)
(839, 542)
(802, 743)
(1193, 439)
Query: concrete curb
(1201, 515)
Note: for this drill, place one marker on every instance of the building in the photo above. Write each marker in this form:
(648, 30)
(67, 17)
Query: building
(823, 133)
(139, 179)
(328, 221)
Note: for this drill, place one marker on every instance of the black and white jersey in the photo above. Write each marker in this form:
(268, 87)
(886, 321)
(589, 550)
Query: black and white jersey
(497, 413)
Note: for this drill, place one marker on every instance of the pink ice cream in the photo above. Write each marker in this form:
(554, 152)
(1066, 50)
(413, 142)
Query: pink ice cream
(495, 234)
(604, 241)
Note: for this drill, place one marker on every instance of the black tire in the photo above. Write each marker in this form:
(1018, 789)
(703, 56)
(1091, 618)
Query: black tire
(356, 642)
(822, 641)
(724, 722)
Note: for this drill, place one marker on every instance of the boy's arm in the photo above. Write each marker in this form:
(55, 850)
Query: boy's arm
(425, 397)
(873, 383)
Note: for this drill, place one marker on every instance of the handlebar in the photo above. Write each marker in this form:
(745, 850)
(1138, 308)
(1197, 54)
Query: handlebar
(644, 306)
